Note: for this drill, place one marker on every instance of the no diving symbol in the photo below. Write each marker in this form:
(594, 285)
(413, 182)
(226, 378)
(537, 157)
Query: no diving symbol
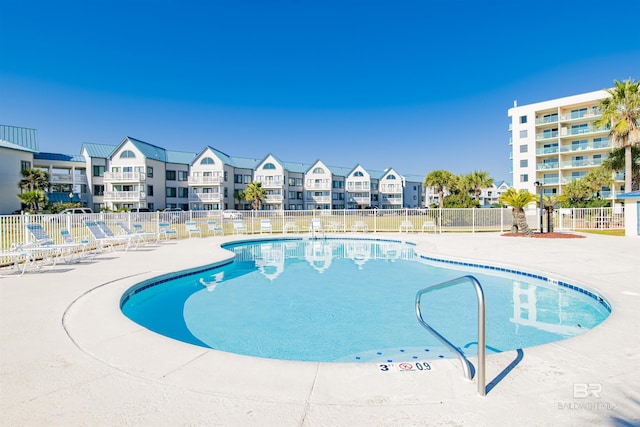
(405, 366)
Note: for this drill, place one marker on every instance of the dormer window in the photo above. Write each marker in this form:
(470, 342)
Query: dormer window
(391, 176)
(318, 170)
(358, 173)
(269, 166)
(207, 161)
(127, 154)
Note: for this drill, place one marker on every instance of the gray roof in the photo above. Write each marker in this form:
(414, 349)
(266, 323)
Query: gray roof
(12, 146)
(180, 157)
(150, 151)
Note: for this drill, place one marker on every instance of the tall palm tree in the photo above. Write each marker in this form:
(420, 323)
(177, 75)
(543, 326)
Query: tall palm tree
(440, 180)
(238, 195)
(33, 198)
(576, 193)
(518, 199)
(479, 180)
(255, 194)
(622, 112)
(598, 178)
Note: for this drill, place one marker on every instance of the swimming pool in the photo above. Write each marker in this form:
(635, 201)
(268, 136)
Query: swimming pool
(352, 300)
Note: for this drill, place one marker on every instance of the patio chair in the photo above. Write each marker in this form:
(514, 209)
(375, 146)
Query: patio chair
(103, 240)
(239, 227)
(214, 228)
(334, 226)
(192, 228)
(407, 225)
(132, 238)
(16, 256)
(290, 226)
(68, 239)
(165, 230)
(429, 225)
(359, 226)
(265, 226)
(316, 227)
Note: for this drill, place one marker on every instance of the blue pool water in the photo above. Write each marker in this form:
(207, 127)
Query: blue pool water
(353, 301)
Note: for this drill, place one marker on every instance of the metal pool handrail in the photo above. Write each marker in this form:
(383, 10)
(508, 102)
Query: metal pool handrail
(482, 389)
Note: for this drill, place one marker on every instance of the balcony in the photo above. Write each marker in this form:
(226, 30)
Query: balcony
(583, 130)
(583, 147)
(589, 114)
(320, 186)
(361, 200)
(319, 199)
(124, 196)
(276, 183)
(204, 197)
(546, 120)
(205, 180)
(550, 181)
(546, 135)
(581, 163)
(391, 189)
(274, 198)
(547, 150)
(65, 178)
(125, 177)
(546, 166)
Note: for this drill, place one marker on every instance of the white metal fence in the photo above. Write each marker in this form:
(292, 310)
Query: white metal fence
(13, 227)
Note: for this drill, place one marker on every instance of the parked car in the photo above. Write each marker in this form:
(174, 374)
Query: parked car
(140, 210)
(231, 214)
(77, 211)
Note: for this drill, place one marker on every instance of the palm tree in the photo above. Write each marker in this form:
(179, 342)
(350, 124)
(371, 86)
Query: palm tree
(255, 194)
(440, 180)
(616, 162)
(477, 181)
(622, 112)
(238, 195)
(34, 179)
(33, 198)
(518, 199)
(598, 178)
(577, 192)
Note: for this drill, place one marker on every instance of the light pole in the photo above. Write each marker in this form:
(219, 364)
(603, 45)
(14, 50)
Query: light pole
(539, 184)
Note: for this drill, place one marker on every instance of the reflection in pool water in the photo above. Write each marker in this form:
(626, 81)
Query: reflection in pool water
(353, 300)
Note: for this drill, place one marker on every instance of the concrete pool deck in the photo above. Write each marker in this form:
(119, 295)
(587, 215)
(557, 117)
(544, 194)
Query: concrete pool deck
(69, 357)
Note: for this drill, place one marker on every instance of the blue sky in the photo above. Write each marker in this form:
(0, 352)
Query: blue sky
(414, 85)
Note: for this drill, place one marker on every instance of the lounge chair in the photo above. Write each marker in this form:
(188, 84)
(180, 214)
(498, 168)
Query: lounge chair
(239, 227)
(68, 239)
(265, 226)
(19, 258)
(214, 228)
(132, 238)
(334, 226)
(407, 225)
(192, 228)
(103, 240)
(43, 247)
(140, 236)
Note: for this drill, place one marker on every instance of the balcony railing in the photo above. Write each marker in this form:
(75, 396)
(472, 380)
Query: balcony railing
(545, 166)
(204, 197)
(124, 196)
(545, 120)
(579, 115)
(546, 135)
(314, 186)
(586, 129)
(583, 147)
(272, 184)
(272, 198)
(547, 150)
(205, 180)
(124, 176)
(318, 199)
(580, 163)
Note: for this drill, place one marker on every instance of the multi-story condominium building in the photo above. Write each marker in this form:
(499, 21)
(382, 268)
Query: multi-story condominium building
(136, 174)
(555, 142)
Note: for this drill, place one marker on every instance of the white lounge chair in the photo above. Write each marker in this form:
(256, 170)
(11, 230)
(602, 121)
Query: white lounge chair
(131, 238)
(265, 226)
(68, 239)
(407, 225)
(192, 228)
(103, 240)
(141, 236)
(19, 258)
(43, 247)
(239, 227)
(214, 228)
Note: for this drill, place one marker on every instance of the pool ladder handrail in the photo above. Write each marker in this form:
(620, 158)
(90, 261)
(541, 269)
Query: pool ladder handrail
(466, 365)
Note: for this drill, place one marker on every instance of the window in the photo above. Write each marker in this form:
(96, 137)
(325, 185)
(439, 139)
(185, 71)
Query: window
(358, 173)
(171, 176)
(237, 179)
(183, 175)
(98, 171)
(151, 207)
(524, 178)
(171, 192)
(247, 179)
(338, 184)
(207, 161)
(318, 170)
(524, 133)
(524, 148)
(523, 119)
(127, 154)
(391, 176)
(24, 165)
(98, 190)
(149, 190)
(524, 163)
(183, 192)
(149, 172)
(269, 166)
